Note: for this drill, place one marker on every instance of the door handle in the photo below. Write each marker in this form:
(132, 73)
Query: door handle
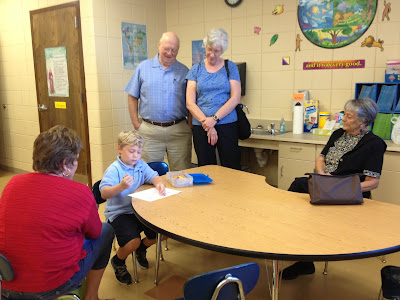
(42, 107)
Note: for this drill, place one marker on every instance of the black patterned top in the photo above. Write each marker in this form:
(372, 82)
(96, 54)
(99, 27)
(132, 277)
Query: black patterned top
(350, 154)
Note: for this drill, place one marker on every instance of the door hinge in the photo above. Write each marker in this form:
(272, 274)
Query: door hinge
(81, 98)
(76, 22)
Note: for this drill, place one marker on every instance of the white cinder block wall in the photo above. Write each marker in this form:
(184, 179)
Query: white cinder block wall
(270, 85)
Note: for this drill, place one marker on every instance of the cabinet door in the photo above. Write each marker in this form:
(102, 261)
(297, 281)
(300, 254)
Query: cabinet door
(389, 188)
(289, 169)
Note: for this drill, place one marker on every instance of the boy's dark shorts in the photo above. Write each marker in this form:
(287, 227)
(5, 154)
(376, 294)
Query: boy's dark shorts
(128, 227)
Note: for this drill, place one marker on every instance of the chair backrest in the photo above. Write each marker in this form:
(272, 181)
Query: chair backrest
(97, 194)
(159, 166)
(225, 281)
(391, 282)
(6, 269)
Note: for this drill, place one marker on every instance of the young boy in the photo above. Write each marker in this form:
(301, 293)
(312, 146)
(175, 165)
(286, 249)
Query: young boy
(121, 178)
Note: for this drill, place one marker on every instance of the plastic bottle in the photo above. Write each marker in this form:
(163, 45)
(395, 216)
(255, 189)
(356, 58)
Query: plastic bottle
(283, 127)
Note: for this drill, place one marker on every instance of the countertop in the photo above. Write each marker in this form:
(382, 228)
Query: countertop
(305, 138)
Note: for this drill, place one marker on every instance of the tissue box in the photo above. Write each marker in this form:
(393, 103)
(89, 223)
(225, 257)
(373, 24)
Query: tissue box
(179, 179)
(310, 114)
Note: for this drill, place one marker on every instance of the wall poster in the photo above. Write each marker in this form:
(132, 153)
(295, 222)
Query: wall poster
(134, 44)
(57, 71)
(335, 23)
(198, 52)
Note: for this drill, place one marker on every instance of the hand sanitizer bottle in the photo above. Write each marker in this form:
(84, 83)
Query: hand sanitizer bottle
(282, 129)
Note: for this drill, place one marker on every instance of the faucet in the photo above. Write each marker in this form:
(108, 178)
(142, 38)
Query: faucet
(273, 128)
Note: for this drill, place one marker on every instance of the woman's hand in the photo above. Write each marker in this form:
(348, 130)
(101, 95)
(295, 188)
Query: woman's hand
(212, 136)
(208, 123)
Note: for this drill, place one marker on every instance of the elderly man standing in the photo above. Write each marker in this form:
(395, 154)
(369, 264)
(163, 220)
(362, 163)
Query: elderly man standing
(160, 84)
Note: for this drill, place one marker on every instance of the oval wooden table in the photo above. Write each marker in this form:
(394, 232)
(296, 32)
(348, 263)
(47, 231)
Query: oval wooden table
(239, 213)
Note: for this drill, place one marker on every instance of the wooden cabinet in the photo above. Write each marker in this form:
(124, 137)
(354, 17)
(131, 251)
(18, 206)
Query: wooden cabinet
(389, 184)
(295, 159)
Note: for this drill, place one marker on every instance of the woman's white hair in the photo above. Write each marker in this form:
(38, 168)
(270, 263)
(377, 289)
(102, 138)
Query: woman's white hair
(217, 37)
(365, 108)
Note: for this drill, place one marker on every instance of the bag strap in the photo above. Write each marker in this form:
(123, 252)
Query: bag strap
(227, 67)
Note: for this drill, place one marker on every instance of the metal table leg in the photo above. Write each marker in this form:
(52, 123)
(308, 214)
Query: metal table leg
(158, 254)
(275, 279)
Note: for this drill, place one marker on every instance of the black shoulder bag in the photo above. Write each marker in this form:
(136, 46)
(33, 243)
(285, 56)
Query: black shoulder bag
(243, 123)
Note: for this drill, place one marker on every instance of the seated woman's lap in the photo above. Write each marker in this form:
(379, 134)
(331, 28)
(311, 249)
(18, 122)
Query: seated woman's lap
(299, 185)
(97, 257)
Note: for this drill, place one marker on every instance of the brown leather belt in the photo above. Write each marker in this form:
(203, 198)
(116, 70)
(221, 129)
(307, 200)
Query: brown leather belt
(164, 124)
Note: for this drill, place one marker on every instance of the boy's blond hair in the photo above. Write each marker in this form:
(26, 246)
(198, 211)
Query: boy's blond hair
(130, 137)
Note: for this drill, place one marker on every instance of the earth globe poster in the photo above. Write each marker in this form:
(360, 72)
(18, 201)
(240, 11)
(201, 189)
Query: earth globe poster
(134, 44)
(335, 23)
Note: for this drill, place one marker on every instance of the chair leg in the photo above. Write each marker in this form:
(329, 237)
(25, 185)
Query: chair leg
(326, 268)
(166, 245)
(135, 273)
(383, 259)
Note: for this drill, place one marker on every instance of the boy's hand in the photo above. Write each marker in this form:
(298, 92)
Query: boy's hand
(161, 188)
(127, 181)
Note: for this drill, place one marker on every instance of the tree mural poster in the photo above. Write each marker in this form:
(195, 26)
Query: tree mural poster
(335, 23)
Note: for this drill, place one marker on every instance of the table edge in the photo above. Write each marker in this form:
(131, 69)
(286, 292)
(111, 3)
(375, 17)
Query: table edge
(273, 256)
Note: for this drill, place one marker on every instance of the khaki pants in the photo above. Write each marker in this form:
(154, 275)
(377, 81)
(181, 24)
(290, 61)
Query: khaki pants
(175, 140)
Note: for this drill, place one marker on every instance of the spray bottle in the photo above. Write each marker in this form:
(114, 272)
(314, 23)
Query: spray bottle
(283, 127)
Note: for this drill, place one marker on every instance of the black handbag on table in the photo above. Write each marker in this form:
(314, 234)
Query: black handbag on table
(243, 123)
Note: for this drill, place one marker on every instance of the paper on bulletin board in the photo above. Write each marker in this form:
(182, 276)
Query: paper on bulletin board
(57, 72)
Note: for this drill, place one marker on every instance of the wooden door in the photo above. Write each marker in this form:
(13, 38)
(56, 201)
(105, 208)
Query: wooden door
(62, 99)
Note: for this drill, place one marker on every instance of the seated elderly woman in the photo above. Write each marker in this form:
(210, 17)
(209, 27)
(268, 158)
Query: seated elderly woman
(50, 229)
(350, 150)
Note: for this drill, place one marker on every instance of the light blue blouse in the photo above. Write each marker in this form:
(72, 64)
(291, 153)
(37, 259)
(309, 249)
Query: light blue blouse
(213, 89)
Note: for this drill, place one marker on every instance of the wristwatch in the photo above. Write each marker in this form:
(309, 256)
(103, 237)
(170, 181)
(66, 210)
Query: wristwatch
(215, 117)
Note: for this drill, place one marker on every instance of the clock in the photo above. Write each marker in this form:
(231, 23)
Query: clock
(233, 3)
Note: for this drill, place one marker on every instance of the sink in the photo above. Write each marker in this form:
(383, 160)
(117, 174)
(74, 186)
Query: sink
(262, 131)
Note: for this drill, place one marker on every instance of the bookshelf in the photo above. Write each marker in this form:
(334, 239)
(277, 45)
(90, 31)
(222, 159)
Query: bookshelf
(387, 97)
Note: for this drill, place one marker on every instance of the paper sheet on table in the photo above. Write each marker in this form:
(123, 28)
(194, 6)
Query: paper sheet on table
(153, 194)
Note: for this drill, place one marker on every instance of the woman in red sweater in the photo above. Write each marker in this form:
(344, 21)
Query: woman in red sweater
(50, 228)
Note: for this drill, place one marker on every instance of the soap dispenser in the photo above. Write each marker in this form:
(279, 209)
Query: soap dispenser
(282, 129)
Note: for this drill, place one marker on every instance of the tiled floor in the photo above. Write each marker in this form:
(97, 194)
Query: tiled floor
(346, 280)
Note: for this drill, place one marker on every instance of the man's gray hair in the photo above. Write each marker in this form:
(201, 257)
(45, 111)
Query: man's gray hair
(217, 37)
(365, 109)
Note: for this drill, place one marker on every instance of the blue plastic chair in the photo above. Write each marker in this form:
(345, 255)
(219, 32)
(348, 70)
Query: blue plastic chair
(390, 283)
(159, 166)
(227, 284)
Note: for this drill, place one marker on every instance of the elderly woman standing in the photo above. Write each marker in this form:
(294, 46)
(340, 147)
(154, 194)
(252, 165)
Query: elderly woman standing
(211, 98)
(350, 150)
(50, 229)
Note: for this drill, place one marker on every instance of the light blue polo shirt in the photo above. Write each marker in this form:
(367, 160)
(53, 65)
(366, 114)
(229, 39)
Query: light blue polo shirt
(162, 92)
(122, 204)
(213, 90)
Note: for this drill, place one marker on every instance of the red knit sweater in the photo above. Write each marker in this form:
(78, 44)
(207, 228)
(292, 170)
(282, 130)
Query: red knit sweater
(43, 222)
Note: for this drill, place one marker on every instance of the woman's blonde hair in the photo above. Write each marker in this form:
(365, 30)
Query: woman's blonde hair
(53, 146)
